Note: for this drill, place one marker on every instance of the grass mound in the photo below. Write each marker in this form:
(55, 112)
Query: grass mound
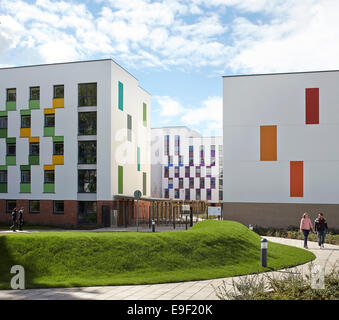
(210, 249)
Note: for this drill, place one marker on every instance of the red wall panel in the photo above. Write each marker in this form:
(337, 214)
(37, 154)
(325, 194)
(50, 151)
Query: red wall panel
(312, 105)
(296, 179)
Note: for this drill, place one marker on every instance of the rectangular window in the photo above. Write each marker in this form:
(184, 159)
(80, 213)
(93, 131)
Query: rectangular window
(181, 183)
(120, 179)
(34, 93)
(268, 143)
(166, 193)
(166, 172)
(166, 145)
(87, 181)
(177, 145)
(58, 207)
(144, 114)
(25, 176)
(11, 94)
(312, 105)
(34, 149)
(187, 194)
(3, 176)
(212, 155)
(87, 94)
(176, 172)
(11, 149)
(170, 161)
(181, 160)
(49, 120)
(58, 148)
(49, 176)
(220, 195)
(34, 206)
(87, 152)
(212, 182)
(296, 178)
(121, 96)
(144, 183)
(208, 194)
(191, 183)
(10, 205)
(3, 122)
(25, 121)
(87, 212)
(202, 183)
(176, 193)
(170, 183)
(197, 194)
(58, 91)
(191, 156)
(197, 172)
(187, 172)
(129, 127)
(138, 158)
(87, 123)
(202, 156)
(208, 171)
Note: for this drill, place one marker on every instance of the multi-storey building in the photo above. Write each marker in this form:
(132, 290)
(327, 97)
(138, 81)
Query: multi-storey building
(281, 155)
(186, 165)
(74, 141)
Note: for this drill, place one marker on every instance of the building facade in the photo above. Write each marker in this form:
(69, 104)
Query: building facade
(280, 148)
(74, 140)
(186, 165)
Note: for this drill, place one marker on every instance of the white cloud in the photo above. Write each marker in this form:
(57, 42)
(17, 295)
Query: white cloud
(169, 107)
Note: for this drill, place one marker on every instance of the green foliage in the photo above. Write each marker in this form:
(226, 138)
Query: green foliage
(210, 249)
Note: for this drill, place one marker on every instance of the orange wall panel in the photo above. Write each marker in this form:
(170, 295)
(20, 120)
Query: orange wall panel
(268, 143)
(296, 179)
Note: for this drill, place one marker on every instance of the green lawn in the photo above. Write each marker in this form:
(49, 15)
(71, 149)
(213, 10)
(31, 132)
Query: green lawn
(210, 249)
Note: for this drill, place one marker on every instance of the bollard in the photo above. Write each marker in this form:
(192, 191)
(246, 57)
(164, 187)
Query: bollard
(186, 222)
(250, 227)
(191, 217)
(153, 226)
(174, 223)
(264, 252)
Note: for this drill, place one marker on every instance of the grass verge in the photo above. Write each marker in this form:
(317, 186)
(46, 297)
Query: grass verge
(210, 249)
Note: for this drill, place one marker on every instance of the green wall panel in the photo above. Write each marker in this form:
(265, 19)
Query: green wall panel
(11, 160)
(10, 140)
(49, 187)
(144, 114)
(25, 112)
(25, 187)
(58, 139)
(10, 105)
(3, 113)
(121, 96)
(3, 187)
(120, 179)
(49, 131)
(3, 133)
(34, 160)
(34, 104)
(138, 159)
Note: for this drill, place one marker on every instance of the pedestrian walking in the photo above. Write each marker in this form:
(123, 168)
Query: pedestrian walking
(21, 219)
(305, 227)
(320, 226)
(14, 215)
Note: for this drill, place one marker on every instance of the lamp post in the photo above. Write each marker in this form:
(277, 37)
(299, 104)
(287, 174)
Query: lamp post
(264, 252)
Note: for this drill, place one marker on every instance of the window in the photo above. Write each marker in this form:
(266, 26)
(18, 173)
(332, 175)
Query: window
(49, 176)
(202, 183)
(181, 183)
(87, 212)
(166, 172)
(177, 145)
(197, 172)
(34, 206)
(144, 114)
(58, 207)
(187, 172)
(212, 183)
(170, 183)
(58, 91)
(87, 152)
(10, 205)
(11, 149)
(170, 161)
(191, 183)
(49, 120)
(181, 160)
(187, 194)
(129, 127)
(208, 171)
(212, 155)
(25, 176)
(87, 94)
(87, 181)
(58, 148)
(220, 195)
(121, 96)
(3, 122)
(138, 158)
(3, 176)
(87, 123)
(166, 145)
(34, 93)
(11, 94)
(176, 193)
(176, 172)
(34, 149)
(25, 121)
(202, 156)
(191, 156)
(208, 194)
(166, 193)
(197, 194)
(144, 183)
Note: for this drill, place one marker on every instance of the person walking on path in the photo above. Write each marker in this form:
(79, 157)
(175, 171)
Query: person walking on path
(320, 226)
(13, 220)
(21, 219)
(305, 227)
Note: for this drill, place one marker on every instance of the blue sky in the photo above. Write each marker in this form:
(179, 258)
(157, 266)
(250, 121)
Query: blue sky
(178, 49)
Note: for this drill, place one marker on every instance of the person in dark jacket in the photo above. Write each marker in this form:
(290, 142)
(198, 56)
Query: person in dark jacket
(321, 228)
(13, 219)
(21, 219)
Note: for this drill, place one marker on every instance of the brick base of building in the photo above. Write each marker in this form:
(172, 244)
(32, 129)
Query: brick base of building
(126, 211)
(279, 215)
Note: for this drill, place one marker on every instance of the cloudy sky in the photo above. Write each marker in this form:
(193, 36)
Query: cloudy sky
(178, 49)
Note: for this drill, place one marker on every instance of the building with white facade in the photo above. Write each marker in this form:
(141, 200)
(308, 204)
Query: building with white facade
(281, 155)
(186, 165)
(74, 141)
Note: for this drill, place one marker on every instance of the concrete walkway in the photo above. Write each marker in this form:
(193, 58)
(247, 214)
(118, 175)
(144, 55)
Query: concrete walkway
(191, 290)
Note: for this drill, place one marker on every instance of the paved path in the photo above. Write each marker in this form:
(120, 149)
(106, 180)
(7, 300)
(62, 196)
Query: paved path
(191, 290)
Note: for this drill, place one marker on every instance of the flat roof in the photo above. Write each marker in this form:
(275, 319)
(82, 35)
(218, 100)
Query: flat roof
(70, 62)
(277, 73)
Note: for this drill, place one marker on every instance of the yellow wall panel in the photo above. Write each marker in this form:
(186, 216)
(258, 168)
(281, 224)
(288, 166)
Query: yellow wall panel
(34, 139)
(49, 111)
(49, 167)
(268, 143)
(25, 132)
(58, 159)
(58, 103)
